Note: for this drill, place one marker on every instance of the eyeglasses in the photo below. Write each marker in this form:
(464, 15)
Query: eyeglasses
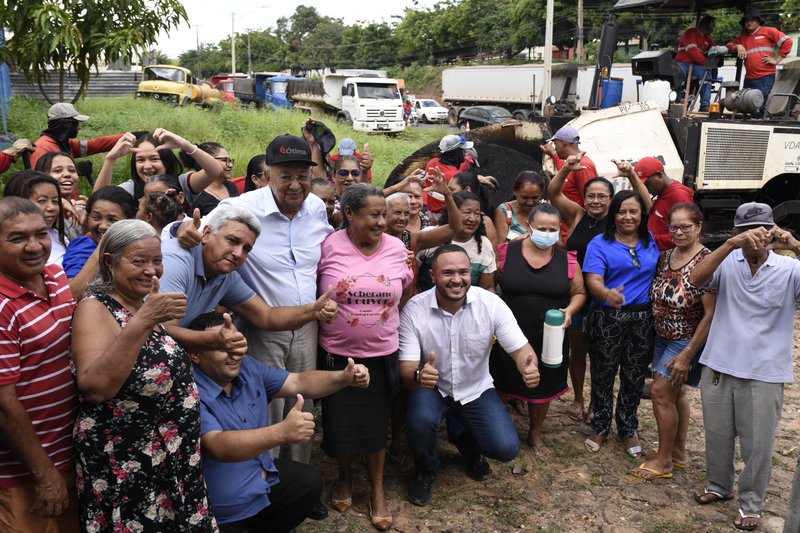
(300, 179)
(344, 173)
(635, 256)
(227, 161)
(597, 197)
(685, 228)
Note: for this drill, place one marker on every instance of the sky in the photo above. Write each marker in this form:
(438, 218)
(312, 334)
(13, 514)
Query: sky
(211, 19)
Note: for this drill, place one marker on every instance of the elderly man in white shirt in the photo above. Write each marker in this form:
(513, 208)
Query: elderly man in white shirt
(445, 339)
(282, 266)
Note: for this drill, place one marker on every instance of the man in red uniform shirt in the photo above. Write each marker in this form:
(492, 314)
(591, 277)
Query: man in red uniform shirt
(692, 50)
(63, 125)
(564, 144)
(38, 397)
(668, 193)
(756, 45)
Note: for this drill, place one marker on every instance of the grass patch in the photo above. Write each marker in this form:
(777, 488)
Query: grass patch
(243, 132)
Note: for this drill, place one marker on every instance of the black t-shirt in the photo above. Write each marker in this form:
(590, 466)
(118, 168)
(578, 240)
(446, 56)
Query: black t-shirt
(206, 202)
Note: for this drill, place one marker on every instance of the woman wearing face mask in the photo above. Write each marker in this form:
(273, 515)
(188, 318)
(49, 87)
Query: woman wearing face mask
(537, 277)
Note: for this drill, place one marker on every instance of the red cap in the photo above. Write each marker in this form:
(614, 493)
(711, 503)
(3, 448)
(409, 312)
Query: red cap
(647, 166)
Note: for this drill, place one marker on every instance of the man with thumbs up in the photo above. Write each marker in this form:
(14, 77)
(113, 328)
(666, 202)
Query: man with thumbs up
(248, 489)
(446, 335)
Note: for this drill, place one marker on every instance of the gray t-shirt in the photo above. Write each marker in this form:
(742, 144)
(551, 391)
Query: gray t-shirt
(753, 328)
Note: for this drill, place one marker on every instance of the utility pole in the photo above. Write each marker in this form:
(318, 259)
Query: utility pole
(548, 53)
(233, 47)
(249, 57)
(197, 34)
(580, 32)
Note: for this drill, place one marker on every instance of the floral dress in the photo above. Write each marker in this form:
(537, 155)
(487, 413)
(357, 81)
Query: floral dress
(139, 453)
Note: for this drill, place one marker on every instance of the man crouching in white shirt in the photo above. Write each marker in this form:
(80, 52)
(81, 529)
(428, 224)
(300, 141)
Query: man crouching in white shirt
(445, 339)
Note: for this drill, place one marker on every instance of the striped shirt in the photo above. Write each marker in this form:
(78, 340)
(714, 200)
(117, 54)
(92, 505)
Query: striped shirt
(34, 356)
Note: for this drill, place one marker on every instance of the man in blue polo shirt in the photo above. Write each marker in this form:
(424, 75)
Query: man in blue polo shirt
(207, 275)
(748, 355)
(248, 490)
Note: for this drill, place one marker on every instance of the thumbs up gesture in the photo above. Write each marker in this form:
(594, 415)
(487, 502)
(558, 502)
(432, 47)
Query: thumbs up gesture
(231, 339)
(529, 369)
(356, 375)
(428, 375)
(366, 158)
(162, 306)
(298, 426)
(326, 309)
(189, 234)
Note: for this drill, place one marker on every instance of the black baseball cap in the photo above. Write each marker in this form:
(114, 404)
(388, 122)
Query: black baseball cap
(289, 149)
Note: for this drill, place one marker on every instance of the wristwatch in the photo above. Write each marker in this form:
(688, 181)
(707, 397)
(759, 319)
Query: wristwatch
(417, 374)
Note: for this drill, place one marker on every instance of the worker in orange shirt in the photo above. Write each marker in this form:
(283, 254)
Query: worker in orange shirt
(692, 51)
(756, 45)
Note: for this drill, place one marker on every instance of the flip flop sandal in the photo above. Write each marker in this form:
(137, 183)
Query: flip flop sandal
(591, 446)
(679, 465)
(634, 451)
(649, 474)
(747, 516)
(716, 497)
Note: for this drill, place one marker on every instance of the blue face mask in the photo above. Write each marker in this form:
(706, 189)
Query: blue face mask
(544, 239)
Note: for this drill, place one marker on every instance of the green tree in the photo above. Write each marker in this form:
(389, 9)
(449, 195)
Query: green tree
(77, 35)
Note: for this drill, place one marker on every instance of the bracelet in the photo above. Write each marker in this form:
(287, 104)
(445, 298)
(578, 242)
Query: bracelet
(193, 151)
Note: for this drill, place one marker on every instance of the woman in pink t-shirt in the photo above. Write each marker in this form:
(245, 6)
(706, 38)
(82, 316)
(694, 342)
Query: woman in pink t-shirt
(370, 273)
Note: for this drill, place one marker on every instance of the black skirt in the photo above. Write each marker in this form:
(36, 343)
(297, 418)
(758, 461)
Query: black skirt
(356, 421)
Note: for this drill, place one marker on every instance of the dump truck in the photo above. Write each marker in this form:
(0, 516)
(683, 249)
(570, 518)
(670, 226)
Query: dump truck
(367, 100)
(177, 86)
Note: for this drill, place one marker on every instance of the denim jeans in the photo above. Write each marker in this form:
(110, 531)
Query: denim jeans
(763, 84)
(697, 74)
(482, 426)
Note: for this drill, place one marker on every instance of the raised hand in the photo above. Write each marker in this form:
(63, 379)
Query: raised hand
(782, 240)
(624, 168)
(20, 146)
(162, 306)
(439, 185)
(326, 309)
(189, 233)
(123, 147)
(169, 140)
(366, 158)
(298, 426)
(530, 371)
(429, 376)
(573, 162)
(356, 375)
(231, 339)
(755, 239)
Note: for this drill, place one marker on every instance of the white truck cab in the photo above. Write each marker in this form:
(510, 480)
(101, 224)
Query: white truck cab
(372, 104)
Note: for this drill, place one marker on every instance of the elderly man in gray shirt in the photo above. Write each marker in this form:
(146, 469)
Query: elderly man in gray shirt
(208, 275)
(748, 356)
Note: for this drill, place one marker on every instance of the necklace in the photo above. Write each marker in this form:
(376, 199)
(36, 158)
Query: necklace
(591, 220)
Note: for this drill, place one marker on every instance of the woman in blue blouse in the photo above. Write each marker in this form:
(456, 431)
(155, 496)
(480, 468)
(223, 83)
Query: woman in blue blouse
(619, 268)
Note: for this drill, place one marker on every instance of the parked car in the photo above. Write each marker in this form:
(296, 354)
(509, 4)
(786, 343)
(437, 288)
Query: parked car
(430, 111)
(483, 115)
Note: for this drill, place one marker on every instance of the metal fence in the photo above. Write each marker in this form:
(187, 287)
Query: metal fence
(110, 83)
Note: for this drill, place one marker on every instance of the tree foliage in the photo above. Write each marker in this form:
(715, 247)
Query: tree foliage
(77, 35)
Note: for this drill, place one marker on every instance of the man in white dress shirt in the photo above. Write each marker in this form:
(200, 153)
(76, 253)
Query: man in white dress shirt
(446, 336)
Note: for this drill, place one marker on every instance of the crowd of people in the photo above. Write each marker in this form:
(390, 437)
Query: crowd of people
(163, 339)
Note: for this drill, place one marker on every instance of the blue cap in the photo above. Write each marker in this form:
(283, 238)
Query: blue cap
(347, 146)
(568, 134)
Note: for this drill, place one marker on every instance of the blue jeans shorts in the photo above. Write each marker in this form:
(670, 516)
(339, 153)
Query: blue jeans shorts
(666, 350)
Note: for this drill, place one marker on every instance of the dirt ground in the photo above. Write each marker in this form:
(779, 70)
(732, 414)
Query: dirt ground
(572, 490)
